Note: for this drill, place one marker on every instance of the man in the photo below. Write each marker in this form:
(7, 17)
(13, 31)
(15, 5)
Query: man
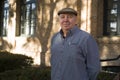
(74, 53)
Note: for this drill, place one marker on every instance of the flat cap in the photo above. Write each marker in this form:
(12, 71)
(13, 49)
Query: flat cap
(67, 10)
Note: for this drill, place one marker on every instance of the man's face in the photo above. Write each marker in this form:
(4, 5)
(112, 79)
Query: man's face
(67, 21)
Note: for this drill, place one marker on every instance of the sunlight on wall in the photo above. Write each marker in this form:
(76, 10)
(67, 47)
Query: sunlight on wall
(28, 46)
(85, 15)
(12, 23)
(105, 50)
(47, 58)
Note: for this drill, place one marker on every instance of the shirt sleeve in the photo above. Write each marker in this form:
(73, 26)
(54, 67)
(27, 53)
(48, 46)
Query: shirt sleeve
(92, 58)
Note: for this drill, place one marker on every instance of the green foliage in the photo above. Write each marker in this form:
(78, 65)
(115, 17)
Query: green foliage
(26, 74)
(9, 61)
(41, 74)
(36, 73)
(18, 67)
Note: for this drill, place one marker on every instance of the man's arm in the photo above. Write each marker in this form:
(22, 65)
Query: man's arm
(93, 58)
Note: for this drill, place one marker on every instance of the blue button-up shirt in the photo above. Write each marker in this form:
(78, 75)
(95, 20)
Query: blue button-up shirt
(74, 57)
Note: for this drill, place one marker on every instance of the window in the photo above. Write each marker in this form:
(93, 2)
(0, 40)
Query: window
(111, 17)
(5, 18)
(28, 17)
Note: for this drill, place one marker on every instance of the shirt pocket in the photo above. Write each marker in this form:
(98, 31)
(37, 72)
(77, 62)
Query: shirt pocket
(75, 51)
(74, 47)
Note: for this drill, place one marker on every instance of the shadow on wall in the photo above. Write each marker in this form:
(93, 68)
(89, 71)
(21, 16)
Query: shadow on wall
(4, 44)
(44, 26)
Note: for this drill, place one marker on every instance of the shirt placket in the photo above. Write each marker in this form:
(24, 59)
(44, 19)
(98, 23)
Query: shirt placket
(61, 60)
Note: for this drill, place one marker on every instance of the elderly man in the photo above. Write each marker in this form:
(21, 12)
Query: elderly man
(74, 53)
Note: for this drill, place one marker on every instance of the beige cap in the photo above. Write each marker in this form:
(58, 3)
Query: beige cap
(67, 10)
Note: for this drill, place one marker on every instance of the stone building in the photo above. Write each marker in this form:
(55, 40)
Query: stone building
(26, 26)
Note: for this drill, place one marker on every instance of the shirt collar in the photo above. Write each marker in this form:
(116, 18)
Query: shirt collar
(71, 31)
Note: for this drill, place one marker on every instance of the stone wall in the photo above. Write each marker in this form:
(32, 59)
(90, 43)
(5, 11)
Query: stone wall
(90, 19)
(109, 49)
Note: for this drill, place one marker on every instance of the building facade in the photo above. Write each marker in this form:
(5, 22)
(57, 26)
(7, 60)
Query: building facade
(26, 26)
